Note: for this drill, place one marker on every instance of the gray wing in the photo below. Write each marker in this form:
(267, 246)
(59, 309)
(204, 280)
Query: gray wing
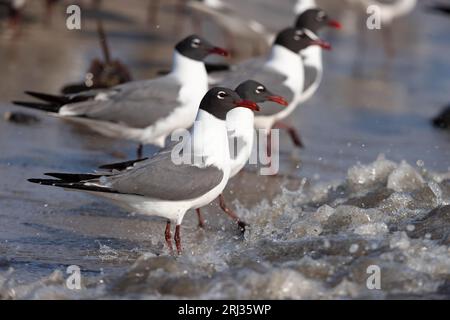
(311, 75)
(138, 104)
(159, 178)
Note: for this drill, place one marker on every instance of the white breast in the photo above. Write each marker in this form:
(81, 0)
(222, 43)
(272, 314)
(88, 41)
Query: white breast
(240, 125)
(194, 80)
(289, 64)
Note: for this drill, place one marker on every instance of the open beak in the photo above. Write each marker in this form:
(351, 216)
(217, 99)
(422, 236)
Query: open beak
(334, 24)
(247, 104)
(323, 44)
(219, 51)
(279, 100)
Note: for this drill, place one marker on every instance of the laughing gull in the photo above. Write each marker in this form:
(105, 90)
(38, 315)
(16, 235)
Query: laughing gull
(162, 186)
(313, 20)
(143, 111)
(232, 22)
(241, 136)
(283, 72)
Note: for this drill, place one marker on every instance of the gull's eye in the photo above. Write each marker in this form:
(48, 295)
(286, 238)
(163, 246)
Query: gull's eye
(195, 43)
(260, 89)
(299, 34)
(221, 95)
(321, 15)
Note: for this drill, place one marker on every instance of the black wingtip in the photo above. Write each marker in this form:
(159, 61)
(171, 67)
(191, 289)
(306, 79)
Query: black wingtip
(45, 182)
(59, 100)
(38, 106)
(71, 177)
(219, 67)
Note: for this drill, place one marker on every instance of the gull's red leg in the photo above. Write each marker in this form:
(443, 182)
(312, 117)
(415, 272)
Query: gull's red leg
(169, 237)
(295, 136)
(178, 239)
(201, 220)
(231, 213)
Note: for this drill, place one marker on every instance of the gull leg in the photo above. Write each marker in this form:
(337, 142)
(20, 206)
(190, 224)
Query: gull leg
(168, 236)
(140, 151)
(293, 133)
(178, 239)
(231, 213)
(201, 220)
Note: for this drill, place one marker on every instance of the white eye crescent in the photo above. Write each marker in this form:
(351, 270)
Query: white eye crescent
(299, 34)
(321, 16)
(196, 43)
(311, 34)
(260, 89)
(221, 95)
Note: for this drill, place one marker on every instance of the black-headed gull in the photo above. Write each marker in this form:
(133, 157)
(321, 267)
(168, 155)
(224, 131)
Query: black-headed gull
(143, 111)
(241, 135)
(314, 20)
(161, 186)
(282, 72)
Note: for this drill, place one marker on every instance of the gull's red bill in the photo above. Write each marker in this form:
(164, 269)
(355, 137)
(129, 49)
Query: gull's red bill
(323, 44)
(247, 104)
(279, 100)
(219, 51)
(335, 24)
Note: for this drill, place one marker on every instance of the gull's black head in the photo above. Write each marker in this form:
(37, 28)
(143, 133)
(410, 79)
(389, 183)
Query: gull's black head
(197, 48)
(298, 39)
(314, 20)
(254, 91)
(219, 101)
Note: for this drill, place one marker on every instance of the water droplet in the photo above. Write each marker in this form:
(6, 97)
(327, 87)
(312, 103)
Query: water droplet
(354, 248)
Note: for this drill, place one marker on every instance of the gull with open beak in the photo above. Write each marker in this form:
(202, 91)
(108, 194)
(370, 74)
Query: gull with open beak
(143, 111)
(161, 186)
(241, 135)
(283, 72)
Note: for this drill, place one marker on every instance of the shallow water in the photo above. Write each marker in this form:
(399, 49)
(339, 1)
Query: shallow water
(345, 202)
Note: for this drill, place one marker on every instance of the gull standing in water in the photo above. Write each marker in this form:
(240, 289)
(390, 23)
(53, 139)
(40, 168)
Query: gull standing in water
(313, 20)
(144, 111)
(160, 186)
(241, 135)
(283, 72)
